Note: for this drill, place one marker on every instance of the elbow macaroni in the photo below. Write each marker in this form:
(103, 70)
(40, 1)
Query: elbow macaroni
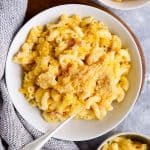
(124, 143)
(72, 64)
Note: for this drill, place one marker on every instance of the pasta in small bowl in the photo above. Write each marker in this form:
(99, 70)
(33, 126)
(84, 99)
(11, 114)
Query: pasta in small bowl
(125, 4)
(129, 141)
(79, 57)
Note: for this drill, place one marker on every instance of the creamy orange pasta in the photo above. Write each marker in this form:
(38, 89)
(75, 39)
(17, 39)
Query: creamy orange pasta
(71, 64)
(124, 143)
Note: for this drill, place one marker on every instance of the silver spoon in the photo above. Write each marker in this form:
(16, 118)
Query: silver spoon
(38, 143)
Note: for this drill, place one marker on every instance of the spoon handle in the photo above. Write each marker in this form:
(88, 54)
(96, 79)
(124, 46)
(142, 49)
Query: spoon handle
(38, 143)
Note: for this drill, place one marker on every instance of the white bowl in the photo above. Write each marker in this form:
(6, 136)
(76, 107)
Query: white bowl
(76, 130)
(125, 4)
(135, 136)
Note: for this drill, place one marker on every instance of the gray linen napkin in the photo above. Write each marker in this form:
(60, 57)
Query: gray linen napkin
(14, 130)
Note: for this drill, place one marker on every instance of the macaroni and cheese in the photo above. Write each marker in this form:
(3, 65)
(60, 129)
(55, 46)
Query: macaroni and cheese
(123, 143)
(71, 64)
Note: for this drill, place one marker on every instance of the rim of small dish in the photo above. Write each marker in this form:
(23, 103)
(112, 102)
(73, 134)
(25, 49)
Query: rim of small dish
(125, 9)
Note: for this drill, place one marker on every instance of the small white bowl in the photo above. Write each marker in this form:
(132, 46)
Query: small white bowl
(125, 4)
(76, 130)
(135, 136)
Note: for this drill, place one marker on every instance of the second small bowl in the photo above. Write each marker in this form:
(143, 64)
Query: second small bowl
(134, 136)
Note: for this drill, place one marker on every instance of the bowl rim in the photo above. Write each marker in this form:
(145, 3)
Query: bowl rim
(124, 9)
(139, 48)
(142, 136)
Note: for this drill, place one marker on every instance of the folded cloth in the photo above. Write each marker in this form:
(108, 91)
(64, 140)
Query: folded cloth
(14, 130)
